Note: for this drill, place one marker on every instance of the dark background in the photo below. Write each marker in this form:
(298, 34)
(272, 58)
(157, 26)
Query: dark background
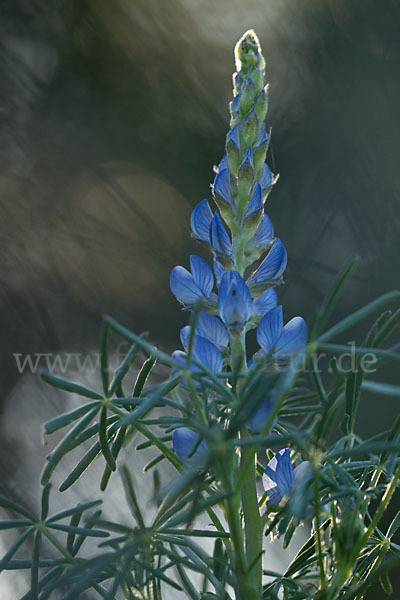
(112, 114)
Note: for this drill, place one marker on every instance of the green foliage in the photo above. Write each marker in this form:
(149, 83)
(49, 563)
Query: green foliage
(314, 412)
(354, 481)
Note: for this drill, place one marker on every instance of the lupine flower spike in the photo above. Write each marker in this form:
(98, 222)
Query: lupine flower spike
(233, 296)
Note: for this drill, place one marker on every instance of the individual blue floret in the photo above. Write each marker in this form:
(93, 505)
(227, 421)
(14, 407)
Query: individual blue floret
(210, 328)
(259, 417)
(264, 234)
(267, 180)
(187, 446)
(194, 287)
(200, 221)
(221, 188)
(219, 240)
(279, 340)
(218, 271)
(254, 209)
(279, 476)
(204, 352)
(234, 301)
(270, 270)
(261, 305)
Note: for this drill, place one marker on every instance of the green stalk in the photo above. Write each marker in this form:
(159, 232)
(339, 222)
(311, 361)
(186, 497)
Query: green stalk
(252, 521)
(248, 492)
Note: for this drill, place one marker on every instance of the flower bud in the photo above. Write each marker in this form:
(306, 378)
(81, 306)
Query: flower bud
(200, 221)
(233, 148)
(254, 211)
(220, 242)
(249, 129)
(261, 104)
(270, 270)
(248, 94)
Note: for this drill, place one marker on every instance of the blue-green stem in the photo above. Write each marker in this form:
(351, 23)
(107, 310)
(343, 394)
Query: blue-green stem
(248, 492)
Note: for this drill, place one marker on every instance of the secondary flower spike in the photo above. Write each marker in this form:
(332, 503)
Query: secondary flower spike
(279, 476)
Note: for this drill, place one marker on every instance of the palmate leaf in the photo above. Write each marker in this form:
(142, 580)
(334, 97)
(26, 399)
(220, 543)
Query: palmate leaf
(42, 529)
(106, 428)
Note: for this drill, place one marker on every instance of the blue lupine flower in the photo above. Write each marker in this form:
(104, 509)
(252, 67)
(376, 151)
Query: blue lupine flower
(235, 106)
(249, 128)
(247, 161)
(264, 234)
(210, 328)
(281, 340)
(184, 442)
(261, 305)
(233, 143)
(258, 419)
(218, 271)
(255, 207)
(224, 164)
(204, 352)
(219, 239)
(270, 270)
(234, 301)
(279, 476)
(261, 145)
(267, 180)
(200, 221)
(190, 288)
(246, 170)
(222, 189)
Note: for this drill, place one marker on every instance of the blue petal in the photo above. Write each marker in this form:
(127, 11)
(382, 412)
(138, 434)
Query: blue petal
(223, 164)
(266, 179)
(293, 337)
(218, 270)
(184, 287)
(247, 161)
(221, 187)
(219, 238)
(264, 233)
(303, 472)
(184, 441)
(257, 421)
(256, 203)
(200, 221)
(267, 301)
(179, 357)
(269, 329)
(185, 336)
(208, 354)
(235, 105)
(234, 301)
(278, 476)
(202, 274)
(271, 267)
(212, 329)
(263, 136)
(233, 136)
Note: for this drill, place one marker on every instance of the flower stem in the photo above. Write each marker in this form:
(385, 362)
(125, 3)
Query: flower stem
(248, 491)
(252, 521)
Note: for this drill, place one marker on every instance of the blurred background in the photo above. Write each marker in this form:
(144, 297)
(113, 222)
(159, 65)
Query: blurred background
(112, 115)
